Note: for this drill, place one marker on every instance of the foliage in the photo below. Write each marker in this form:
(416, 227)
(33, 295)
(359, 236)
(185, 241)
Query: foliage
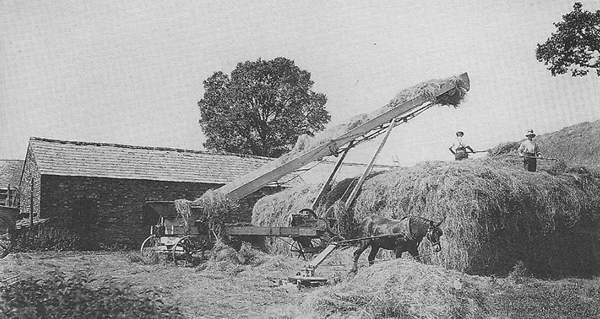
(48, 238)
(78, 296)
(260, 109)
(575, 47)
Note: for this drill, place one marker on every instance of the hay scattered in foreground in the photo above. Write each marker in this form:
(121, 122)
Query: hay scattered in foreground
(402, 288)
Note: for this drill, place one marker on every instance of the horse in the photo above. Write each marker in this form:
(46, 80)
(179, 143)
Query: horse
(398, 235)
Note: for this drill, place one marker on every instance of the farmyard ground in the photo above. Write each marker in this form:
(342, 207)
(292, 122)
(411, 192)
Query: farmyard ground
(229, 290)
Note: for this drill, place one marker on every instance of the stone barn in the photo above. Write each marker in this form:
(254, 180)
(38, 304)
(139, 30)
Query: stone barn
(10, 175)
(99, 190)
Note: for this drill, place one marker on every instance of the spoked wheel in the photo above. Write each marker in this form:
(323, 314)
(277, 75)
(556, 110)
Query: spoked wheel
(149, 246)
(296, 250)
(333, 223)
(187, 251)
(306, 248)
(8, 235)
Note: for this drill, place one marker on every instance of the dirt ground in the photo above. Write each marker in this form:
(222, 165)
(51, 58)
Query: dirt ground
(221, 290)
(259, 290)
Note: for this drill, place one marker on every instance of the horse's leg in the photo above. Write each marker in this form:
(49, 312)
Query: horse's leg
(363, 245)
(414, 252)
(400, 247)
(399, 251)
(373, 253)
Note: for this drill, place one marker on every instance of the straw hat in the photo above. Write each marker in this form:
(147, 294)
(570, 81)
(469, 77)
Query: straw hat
(530, 133)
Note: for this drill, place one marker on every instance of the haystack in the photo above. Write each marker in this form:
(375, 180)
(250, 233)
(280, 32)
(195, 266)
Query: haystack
(274, 210)
(496, 214)
(402, 289)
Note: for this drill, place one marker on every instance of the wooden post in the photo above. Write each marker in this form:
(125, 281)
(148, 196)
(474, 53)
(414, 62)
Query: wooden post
(370, 167)
(31, 203)
(7, 203)
(331, 177)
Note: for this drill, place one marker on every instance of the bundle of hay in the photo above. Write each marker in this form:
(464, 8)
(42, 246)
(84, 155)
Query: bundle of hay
(212, 210)
(223, 257)
(578, 144)
(274, 210)
(497, 214)
(402, 289)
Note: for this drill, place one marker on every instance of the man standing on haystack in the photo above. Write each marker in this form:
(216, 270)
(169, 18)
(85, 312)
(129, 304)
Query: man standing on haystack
(459, 147)
(530, 151)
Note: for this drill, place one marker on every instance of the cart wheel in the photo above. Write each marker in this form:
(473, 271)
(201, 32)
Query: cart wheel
(149, 246)
(333, 224)
(306, 247)
(187, 251)
(8, 235)
(296, 250)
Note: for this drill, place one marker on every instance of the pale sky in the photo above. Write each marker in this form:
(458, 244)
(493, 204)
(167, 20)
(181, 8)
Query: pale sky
(131, 72)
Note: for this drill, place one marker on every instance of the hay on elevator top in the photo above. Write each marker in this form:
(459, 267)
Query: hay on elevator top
(430, 90)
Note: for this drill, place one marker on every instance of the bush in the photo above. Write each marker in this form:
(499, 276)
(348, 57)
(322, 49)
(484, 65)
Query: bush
(78, 296)
(47, 238)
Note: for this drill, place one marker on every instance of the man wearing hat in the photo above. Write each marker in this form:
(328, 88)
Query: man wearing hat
(529, 150)
(459, 147)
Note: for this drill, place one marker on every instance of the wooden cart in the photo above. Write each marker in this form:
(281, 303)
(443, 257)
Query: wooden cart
(185, 244)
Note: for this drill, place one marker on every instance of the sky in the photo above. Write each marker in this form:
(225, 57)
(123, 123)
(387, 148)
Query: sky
(131, 72)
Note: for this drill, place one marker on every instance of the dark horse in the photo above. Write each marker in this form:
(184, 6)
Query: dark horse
(398, 235)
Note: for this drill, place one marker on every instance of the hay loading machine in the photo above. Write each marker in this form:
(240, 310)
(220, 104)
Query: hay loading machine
(305, 225)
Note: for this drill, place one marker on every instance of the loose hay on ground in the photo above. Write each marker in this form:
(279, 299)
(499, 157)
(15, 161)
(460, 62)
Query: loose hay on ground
(401, 289)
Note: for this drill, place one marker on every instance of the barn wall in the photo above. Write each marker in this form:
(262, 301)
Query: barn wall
(30, 186)
(110, 212)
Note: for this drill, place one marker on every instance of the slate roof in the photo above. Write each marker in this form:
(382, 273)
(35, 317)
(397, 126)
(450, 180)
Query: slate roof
(71, 158)
(10, 173)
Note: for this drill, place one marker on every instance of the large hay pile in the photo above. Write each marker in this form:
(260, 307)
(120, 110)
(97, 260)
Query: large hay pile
(496, 214)
(274, 210)
(402, 289)
(577, 144)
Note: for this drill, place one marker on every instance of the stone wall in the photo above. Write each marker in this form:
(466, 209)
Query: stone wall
(109, 212)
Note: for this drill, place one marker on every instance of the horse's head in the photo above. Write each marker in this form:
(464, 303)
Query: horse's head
(434, 232)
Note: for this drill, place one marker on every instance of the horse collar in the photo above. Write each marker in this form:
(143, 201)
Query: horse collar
(405, 229)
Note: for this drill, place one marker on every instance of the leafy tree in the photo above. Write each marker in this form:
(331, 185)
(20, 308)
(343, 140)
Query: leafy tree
(575, 46)
(260, 109)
